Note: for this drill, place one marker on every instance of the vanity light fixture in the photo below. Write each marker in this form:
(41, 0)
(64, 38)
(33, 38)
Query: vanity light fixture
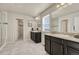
(63, 5)
(60, 5)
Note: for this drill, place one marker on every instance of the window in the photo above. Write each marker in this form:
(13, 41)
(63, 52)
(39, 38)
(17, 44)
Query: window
(46, 23)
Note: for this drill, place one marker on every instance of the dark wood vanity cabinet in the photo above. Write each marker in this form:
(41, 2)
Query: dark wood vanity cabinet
(53, 45)
(47, 44)
(36, 36)
(72, 51)
(58, 46)
(72, 48)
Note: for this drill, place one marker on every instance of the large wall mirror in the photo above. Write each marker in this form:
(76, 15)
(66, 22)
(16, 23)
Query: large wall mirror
(65, 25)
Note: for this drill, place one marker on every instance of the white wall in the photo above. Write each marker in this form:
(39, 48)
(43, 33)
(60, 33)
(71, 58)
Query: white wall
(35, 23)
(69, 25)
(12, 26)
(0, 28)
(54, 24)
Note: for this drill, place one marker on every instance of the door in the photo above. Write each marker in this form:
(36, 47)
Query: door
(3, 28)
(64, 26)
(20, 29)
(4, 32)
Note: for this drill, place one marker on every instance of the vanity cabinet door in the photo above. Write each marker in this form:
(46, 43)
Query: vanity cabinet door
(48, 44)
(30, 35)
(72, 48)
(37, 37)
(56, 47)
(33, 36)
(65, 47)
(72, 51)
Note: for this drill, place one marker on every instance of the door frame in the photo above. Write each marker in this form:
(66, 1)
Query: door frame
(17, 27)
(65, 20)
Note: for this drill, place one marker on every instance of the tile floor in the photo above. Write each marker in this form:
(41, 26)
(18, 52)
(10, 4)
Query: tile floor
(23, 48)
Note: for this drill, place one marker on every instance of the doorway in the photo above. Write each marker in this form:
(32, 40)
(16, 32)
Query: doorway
(20, 29)
(64, 26)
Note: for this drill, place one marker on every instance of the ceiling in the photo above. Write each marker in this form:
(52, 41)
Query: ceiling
(31, 9)
(66, 10)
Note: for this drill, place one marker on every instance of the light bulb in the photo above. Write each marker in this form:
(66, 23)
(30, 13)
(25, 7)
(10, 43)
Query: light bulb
(62, 3)
(58, 6)
(37, 18)
(65, 6)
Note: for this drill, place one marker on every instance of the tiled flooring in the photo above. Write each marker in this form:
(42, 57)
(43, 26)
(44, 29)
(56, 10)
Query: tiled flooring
(23, 48)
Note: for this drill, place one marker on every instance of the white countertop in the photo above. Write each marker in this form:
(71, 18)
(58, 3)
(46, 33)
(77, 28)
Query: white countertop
(65, 37)
(35, 31)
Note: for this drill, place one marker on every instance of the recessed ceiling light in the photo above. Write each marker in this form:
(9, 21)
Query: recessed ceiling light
(58, 6)
(65, 6)
(62, 3)
(37, 18)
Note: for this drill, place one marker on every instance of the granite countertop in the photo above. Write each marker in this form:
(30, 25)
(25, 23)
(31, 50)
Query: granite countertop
(64, 37)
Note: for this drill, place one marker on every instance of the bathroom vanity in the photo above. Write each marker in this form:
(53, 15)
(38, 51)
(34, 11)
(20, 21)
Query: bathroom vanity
(35, 36)
(60, 44)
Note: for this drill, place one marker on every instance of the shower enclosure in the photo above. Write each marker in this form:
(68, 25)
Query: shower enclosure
(3, 28)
